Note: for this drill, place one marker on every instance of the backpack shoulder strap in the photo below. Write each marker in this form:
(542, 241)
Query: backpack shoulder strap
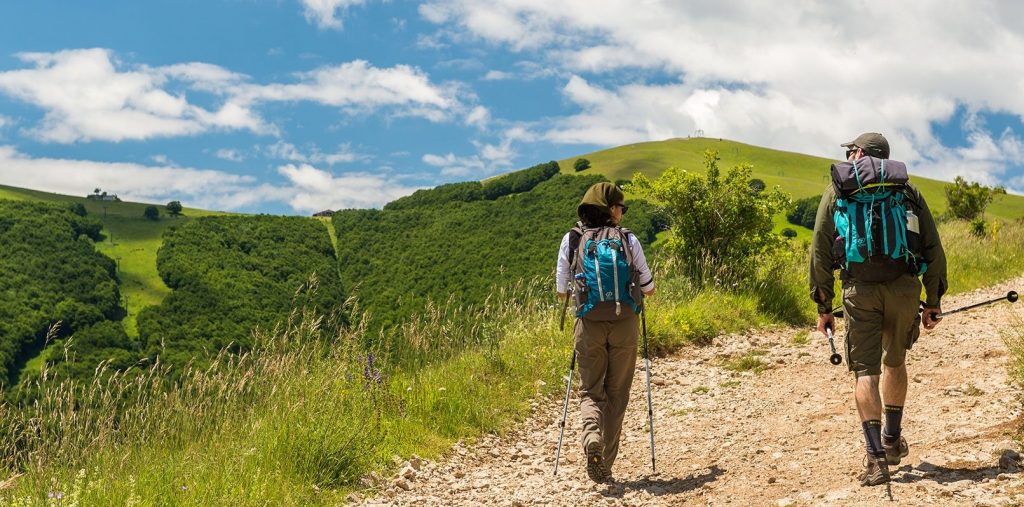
(575, 234)
(626, 233)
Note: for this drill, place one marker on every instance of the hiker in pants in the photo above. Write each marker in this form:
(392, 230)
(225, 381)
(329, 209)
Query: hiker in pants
(606, 329)
(875, 227)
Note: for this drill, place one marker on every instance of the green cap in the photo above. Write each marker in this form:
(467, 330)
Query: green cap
(872, 143)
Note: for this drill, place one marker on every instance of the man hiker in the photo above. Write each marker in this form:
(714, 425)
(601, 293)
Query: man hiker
(875, 227)
(604, 267)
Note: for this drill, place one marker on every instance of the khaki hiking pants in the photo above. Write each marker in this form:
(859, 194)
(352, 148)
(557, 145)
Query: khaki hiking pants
(606, 353)
(882, 323)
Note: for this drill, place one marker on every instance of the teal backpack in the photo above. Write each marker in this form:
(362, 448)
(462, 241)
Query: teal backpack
(876, 232)
(605, 279)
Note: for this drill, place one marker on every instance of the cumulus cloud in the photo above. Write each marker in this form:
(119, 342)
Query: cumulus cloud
(87, 95)
(286, 151)
(315, 189)
(305, 189)
(808, 79)
(230, 155)
(490, 158)
(135, 182)
(326, 13)
(358, 86)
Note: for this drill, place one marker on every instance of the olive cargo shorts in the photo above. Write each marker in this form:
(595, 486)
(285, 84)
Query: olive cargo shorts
(882, 323)
(606, 353)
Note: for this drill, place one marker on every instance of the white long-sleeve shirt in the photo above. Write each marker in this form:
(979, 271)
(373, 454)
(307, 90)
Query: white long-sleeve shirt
(563, 275)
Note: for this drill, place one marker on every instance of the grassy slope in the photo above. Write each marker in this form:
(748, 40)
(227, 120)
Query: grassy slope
(800, 175)
(132, 241)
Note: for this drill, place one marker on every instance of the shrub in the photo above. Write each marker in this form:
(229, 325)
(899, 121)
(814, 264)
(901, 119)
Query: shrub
(968, 200)
(581, 164)
(757, 185)
(788, 233)
(804, 211)
(151, 213)
(174, 208)
(719, 227)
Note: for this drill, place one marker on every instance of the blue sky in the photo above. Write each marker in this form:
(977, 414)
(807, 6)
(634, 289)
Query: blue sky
(292, 106)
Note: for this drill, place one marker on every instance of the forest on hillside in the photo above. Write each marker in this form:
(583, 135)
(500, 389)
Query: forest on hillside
(52, 277)
(396, 260)
(231, 274)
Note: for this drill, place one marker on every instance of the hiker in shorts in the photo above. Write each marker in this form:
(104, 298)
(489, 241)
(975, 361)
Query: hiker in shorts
(875, 227)
(606, 329)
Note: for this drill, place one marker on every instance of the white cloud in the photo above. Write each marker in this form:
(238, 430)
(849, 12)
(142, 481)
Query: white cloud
(134, 182)
(286, 151)
(231, 155)
(805, 81)
(87, 95)
(306, 188)
(478, 117)
(325, 13)
(489, 159)
(498, 75)
(315, 189)
(3, 122)
(87, 98)
(358, 85)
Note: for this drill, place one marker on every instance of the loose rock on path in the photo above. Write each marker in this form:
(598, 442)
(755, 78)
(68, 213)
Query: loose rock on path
(788, 435)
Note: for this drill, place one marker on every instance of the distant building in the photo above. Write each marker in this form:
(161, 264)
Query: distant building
(324, 213)
(103, 196)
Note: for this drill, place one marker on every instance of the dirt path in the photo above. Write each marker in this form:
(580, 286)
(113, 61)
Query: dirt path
(786, 436)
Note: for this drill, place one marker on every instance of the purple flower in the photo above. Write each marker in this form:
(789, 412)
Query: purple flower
(183, 488)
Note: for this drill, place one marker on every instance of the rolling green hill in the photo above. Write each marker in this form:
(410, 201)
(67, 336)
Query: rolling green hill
(131, 240)
(800, 175)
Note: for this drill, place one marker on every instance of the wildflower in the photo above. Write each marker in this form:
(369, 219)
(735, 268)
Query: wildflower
(184, 488)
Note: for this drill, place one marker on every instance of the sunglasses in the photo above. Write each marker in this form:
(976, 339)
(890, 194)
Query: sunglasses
(623, 206)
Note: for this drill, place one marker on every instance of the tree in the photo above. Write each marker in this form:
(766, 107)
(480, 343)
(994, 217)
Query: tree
(757, 185)
(581, 164)
(969, 200)
(720, 229)
(174, 208)
(151, 213)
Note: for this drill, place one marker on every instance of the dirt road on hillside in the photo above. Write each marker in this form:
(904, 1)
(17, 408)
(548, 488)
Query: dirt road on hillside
(786, 436)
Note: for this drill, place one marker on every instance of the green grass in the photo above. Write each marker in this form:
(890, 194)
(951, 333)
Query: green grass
(748, 362)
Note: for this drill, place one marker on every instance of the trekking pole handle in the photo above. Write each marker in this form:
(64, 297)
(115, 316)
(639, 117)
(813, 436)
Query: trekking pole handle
(835, 358)
(565, 306)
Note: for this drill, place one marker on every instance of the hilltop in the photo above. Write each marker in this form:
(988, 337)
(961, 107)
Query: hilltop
(798, 174)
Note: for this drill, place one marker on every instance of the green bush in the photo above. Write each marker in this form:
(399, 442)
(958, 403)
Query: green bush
(804, 211)
(969, 200)
(720, 226)
(581, 164)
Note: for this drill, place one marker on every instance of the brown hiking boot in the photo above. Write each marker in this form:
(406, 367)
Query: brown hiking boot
(595, 462)
(876, 471)
(895, 451)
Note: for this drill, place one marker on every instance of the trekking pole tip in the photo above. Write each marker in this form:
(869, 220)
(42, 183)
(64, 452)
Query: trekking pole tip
(1011, 296)
(836, 359)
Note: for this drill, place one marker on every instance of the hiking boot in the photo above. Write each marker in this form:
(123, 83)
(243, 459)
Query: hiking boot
(595, 462)
(876, 471)
(895, 451)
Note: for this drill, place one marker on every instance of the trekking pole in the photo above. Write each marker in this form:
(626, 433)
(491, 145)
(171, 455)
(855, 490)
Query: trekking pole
(647, 367)
(835, 358)
(565, 409)
(1010, 296)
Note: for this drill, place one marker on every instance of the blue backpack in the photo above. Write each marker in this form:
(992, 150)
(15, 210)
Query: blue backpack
(604, 276)
(875, 228)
